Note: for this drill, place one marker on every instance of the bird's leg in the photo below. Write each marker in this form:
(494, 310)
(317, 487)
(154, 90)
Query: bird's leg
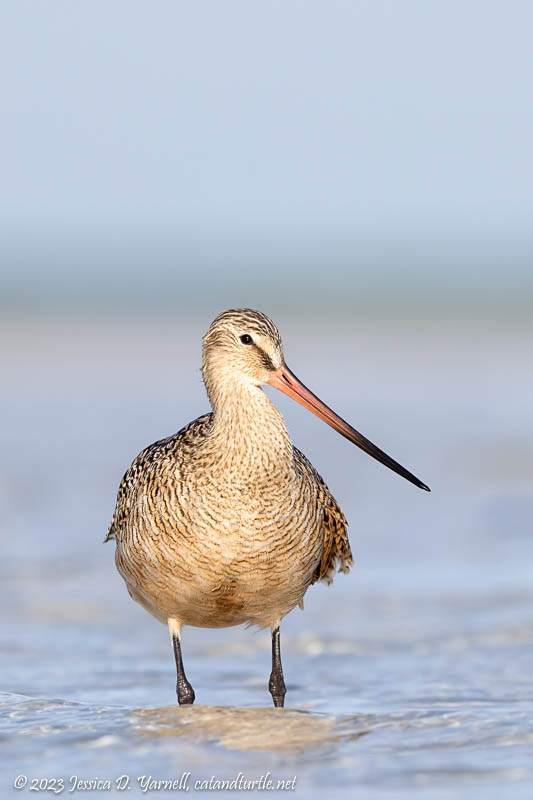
(184, 689)
(276, 683)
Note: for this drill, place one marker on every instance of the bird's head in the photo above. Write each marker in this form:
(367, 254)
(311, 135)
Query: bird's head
(242, 346)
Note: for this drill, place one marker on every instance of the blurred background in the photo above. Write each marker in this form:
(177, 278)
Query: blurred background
(361, 172)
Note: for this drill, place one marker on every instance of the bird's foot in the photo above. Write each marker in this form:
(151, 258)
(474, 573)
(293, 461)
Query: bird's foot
(185, 693)
(276, 686)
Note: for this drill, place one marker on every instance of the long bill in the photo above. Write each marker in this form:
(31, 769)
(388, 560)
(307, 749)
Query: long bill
(287, 382)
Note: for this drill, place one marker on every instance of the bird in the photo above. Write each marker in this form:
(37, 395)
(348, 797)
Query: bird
(226, 522)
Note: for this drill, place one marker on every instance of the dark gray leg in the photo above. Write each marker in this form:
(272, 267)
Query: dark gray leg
(276, 683)
(184, 689)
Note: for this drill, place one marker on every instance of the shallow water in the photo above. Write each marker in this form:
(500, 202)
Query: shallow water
(410, 677)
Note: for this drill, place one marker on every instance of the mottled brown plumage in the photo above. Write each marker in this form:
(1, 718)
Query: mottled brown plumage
(225, 522)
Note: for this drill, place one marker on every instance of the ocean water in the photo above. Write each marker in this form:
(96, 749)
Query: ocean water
(410, 677)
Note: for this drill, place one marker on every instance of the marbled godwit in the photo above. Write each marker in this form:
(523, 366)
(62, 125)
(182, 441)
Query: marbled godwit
(226, 522)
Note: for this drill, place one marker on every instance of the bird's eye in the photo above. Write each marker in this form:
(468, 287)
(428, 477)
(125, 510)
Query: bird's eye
(246, 339)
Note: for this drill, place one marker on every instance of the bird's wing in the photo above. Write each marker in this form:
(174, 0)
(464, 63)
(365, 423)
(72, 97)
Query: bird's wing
(147, 460)
(336, 553)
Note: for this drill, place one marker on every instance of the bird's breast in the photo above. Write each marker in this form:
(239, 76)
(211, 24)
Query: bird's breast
(211, 550)
(219, 521)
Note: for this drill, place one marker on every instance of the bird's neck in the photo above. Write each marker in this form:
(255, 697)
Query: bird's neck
(248, 432)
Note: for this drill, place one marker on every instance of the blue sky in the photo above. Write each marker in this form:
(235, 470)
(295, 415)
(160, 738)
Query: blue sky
(225, 134)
